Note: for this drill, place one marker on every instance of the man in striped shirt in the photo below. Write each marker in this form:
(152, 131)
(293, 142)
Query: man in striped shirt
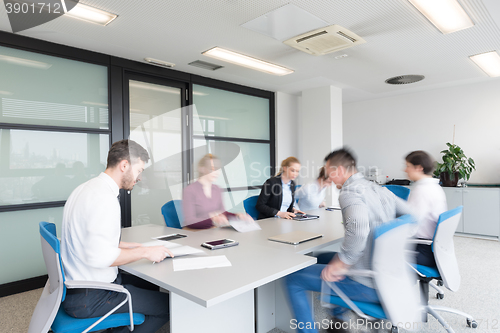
(365, 205)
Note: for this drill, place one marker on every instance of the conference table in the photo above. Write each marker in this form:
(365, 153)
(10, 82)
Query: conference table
(245, 297)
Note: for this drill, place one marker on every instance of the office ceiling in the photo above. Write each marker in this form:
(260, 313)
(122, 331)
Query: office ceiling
(399, 41)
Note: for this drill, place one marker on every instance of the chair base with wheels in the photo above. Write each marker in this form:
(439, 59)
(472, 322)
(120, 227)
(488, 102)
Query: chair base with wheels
(446, 272)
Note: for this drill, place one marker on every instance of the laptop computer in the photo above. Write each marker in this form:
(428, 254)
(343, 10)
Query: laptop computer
(295, 237)
(304, 217)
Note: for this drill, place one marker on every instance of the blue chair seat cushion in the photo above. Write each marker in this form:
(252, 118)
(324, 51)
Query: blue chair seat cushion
(67, 324)
(430, 272)
(371, 309)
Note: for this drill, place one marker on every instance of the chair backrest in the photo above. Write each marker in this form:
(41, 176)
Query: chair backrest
(395, 283)
(249, 204)
(399, 191)
(172, 213)
(444, 248)
(54, 291)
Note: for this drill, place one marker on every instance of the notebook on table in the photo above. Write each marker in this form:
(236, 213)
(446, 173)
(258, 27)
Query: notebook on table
(295, 237)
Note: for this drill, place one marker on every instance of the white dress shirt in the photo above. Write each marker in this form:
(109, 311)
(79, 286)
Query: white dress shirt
(427, 201)
(286, 195)
(91, 229)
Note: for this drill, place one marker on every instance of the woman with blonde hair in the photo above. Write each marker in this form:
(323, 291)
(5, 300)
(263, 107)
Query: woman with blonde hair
(277, 197)
(202, 200)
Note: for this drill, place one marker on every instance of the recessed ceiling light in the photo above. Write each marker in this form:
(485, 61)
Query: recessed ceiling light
(489, 62)
(447, 15)
(246, 61)
(91, 14)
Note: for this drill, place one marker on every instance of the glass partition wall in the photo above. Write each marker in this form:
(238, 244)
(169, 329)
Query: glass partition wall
(59, 113)
(54, 135)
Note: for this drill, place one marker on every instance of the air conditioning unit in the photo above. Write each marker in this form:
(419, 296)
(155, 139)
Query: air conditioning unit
(325, 40)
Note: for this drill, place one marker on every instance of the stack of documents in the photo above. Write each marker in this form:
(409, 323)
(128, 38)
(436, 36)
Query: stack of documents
(244, 225)
(176, 249)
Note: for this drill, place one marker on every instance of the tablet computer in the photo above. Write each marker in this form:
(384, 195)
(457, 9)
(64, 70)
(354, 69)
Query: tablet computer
(303, 217)
(295, 237)
(219, 244)
(169, 237)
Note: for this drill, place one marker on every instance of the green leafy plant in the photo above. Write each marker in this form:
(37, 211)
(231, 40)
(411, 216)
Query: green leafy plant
(454, 160)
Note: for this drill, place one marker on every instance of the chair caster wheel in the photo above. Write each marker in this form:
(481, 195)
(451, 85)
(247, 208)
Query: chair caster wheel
(471, 323)
(440, 283)
(394, 329)
(439, 296)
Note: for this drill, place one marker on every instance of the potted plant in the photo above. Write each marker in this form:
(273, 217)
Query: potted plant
(455, 166)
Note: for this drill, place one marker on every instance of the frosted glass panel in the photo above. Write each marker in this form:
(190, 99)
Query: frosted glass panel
(155, 123)
(229, 114)
(20, 243)
(233, 201)
(44, 90)
(39, 166)
(244, 164)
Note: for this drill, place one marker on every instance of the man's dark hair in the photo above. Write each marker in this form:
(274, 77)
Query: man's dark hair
(420, 157)
(126, 150)
(342, 157)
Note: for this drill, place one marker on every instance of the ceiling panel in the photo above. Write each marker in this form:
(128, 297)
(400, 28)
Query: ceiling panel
(399, 41)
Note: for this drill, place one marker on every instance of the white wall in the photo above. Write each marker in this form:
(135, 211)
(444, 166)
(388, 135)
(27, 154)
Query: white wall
(381, 132)
(320, 127)
(287, 107)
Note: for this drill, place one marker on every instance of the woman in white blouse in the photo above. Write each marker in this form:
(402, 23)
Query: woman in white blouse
(312, 195)
(427, 201)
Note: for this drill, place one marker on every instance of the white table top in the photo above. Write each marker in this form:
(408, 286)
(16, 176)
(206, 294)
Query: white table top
(255, 261)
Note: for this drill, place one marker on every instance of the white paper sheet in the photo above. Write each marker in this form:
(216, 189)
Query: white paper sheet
(176, 249)
(244, 226)
(200, 263)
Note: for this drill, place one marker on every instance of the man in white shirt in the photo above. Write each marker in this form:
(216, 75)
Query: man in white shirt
(427, 201)
(91, 249)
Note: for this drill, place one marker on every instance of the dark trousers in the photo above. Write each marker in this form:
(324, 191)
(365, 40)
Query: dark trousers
(425, 256)
(95, 303)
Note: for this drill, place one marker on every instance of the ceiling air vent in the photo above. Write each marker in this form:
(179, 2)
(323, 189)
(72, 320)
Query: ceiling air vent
(405, 79)
(160, 63)
(205, 65)
(325, 40)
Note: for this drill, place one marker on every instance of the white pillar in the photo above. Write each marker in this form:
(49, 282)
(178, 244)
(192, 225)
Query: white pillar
(319, 130)
(286, 126)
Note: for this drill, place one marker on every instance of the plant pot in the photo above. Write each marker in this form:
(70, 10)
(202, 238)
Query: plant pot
(446, 181)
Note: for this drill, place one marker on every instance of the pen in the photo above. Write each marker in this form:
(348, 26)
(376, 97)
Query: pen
(154, 262)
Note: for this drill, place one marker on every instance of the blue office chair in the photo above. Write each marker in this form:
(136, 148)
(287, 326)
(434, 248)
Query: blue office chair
(49, 313)
(399, 191)
(447, 267)
(296, 189)
(172, 213)
(249, 204)
(399, 301)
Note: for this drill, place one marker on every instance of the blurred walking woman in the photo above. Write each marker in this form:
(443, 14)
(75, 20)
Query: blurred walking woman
(202, 200)
(277, 197)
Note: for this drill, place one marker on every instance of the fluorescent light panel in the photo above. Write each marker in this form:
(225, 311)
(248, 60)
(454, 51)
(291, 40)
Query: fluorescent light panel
(447, 15)
(246, 61)
(91, 14)
(489, 62)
